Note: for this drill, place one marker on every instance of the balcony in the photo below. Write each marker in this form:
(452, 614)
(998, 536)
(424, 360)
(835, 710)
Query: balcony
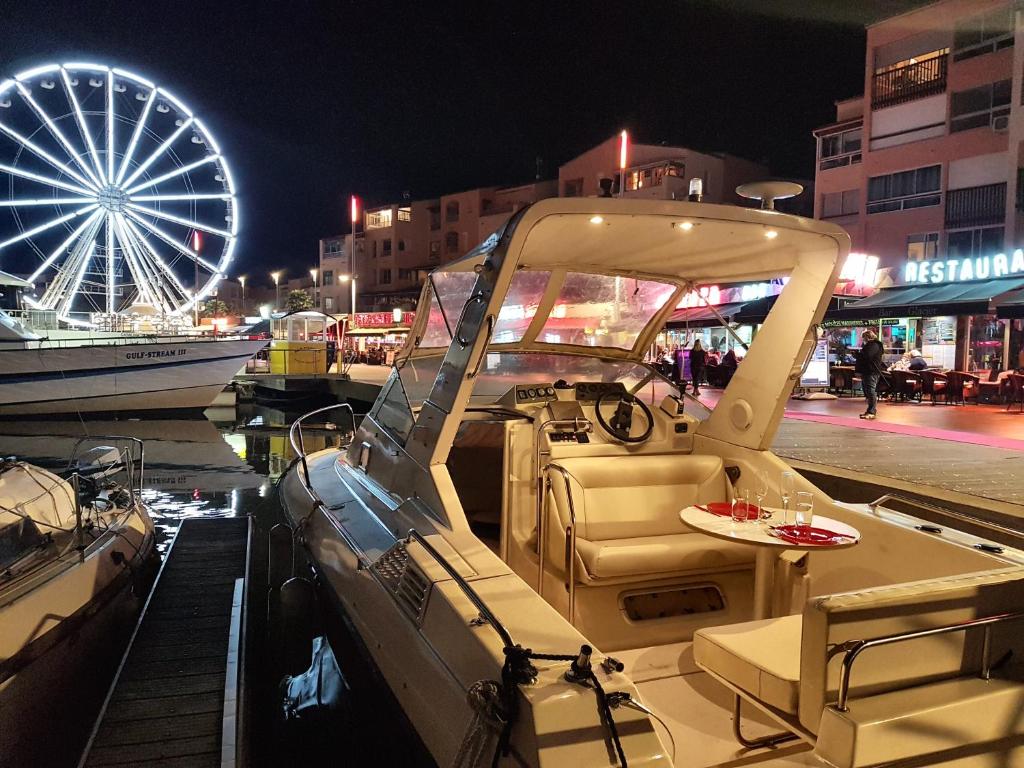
(909, 82)
(976, 206)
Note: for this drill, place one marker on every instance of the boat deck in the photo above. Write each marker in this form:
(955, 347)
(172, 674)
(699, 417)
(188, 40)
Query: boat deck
(174, 699)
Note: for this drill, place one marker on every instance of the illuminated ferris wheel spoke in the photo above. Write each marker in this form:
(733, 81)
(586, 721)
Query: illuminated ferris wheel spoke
(125, 162)
(157, 153)
(172, 174)
(176, 198)
(115, 173)
(171, 241)
(83, 127)
(22, 173)
(48, 225)
(60, 249)
(57, 133)
(44, 155)
(179, 220)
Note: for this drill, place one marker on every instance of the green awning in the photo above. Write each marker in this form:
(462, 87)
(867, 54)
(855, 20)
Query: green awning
(970, 298)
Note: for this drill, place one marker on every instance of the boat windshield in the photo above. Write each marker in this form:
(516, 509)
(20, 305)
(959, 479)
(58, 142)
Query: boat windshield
(503, 369)
(588, 309)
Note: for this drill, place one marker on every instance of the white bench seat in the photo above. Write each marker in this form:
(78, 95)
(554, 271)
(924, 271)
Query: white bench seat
(760, 657)
(651, 555)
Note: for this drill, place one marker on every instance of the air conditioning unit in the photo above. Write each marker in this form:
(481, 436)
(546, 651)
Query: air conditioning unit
(1001, 123)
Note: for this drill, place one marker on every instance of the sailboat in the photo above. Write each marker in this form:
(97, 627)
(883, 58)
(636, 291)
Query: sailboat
(554, 557)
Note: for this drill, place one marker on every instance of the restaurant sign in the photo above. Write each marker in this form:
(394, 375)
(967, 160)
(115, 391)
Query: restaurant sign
(958, 270)
(382, 319)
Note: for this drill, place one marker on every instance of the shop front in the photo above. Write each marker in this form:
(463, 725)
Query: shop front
(952, 310)
(373, 338)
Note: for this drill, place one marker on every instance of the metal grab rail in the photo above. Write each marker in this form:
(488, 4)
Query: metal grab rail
(854, 649)
(570, 542)
(959, 516)
(463, 585)
(295, 431)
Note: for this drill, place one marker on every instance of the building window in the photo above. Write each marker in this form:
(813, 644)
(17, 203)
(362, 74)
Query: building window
(378, 219)
(965, 243)
(406, 274)
(451, 211)
(328, 303)
(386, 245)
(573, 188)
(915, 78)
(923, 246)
(982, 34)
(435, 218)
(332, 246)
(373, 249)
(846, 203)
(401, 245)
(451, 242)
(1020, 189)
(385, 277)
(901, 191)
(405, 214)
(976, 206)
(435, 250)
(980, 107)
(838, 149)
(328, 277)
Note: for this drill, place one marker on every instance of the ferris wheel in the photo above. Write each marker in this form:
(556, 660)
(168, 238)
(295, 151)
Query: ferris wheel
(119, 197)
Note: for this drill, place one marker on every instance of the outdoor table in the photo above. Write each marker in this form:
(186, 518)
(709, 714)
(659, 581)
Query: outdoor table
(767, 547)
(841, 377)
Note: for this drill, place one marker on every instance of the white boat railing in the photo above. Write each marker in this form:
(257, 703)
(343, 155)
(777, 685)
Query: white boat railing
(299, 444)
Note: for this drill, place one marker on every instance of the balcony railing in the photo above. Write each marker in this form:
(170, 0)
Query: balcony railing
(910, 82)
(976, 206)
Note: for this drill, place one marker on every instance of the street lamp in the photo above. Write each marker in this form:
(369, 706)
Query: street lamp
(276, 276)
(241, 280)
(352, 278)
(313, 273)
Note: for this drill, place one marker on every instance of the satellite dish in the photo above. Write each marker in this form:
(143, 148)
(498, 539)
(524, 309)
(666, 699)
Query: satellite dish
(768, 192)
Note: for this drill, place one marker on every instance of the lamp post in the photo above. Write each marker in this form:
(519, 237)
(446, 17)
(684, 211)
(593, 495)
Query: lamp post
(313, 273)
(276, 276)
(241, 280)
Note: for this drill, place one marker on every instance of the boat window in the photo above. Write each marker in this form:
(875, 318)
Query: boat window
(603, 310)
(393, 411)
(521, 302)
(451, 291)
(418, 375)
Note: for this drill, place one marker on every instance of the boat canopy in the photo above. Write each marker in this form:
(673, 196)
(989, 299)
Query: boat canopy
(602, 276)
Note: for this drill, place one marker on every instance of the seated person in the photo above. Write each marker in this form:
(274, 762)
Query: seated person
(917, 361)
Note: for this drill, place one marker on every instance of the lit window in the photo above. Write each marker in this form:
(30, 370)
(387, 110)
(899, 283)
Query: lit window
(405, 214)
(378, 219)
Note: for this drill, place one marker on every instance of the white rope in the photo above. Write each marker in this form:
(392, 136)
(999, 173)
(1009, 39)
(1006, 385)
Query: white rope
(480, 739)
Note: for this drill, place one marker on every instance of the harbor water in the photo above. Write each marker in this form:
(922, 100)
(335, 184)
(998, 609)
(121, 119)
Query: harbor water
(224, 464)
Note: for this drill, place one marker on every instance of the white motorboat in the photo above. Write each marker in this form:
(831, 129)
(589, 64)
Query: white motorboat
(511, 533)
(75, 557)
(68, 371)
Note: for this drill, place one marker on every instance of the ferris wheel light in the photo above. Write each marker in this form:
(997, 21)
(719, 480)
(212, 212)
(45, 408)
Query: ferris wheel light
(28, 74)
(112, 249)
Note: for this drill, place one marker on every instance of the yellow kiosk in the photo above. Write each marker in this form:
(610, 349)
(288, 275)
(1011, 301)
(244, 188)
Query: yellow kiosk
(303, 342)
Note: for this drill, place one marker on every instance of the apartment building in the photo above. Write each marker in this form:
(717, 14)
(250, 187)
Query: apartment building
(924, 171)
(656, 171)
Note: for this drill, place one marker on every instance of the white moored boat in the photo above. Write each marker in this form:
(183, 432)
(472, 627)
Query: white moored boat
(75, 552)
(68, 371)
(525, 481)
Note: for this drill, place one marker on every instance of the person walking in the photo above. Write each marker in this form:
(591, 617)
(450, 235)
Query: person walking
(698, 362)
(869, 366)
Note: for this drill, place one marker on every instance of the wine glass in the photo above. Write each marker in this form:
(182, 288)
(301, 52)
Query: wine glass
(786, 489)
(761, 491)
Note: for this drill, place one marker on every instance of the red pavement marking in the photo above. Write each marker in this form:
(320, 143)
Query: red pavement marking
(991, 441)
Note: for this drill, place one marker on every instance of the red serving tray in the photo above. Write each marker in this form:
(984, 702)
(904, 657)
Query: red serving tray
(724, 509)
(808, 535)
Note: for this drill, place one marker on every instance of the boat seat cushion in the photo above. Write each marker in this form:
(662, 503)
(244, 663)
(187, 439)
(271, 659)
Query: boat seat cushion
(760, 657)
(648, 555)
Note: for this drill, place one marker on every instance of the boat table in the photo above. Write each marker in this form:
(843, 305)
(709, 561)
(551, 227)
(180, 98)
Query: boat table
(757, 533)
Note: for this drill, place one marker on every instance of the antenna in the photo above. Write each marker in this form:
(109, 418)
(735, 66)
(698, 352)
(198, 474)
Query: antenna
(768, 192)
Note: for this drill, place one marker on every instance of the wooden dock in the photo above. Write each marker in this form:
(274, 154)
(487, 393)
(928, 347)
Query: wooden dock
(175, 698)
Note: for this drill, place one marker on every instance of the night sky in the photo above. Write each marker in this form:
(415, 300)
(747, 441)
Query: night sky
(314, 101)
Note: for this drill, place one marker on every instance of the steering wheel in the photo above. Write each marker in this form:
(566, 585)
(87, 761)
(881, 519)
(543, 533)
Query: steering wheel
(622, 420)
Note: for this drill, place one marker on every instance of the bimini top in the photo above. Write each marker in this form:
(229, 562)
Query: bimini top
(605, 273)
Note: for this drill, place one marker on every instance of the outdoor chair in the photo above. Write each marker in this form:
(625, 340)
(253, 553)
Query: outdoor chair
(933, 383)
(990, 388)
(1016, 391)
(960, 386)
(906, 385)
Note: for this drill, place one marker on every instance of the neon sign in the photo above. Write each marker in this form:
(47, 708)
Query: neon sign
(958, 270)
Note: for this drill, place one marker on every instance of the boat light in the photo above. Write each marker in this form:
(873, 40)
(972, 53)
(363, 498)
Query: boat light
(596, 219)
(771, 234)
(685, 226)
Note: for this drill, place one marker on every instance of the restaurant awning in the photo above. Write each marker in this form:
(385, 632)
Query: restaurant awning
(755, 312)
(1011, 306)
(702, 317)
(970, 298)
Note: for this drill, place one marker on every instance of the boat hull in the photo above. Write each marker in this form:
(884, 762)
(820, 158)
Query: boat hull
(165, 374)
